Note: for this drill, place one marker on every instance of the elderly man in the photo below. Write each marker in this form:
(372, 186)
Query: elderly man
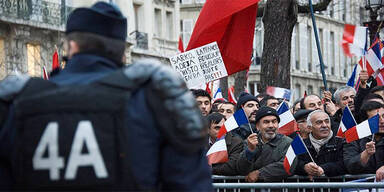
(234, 146)
(312, 102)
(301, 120)
(326, 150)
(264, 155)
(367, 155)
(203, 101)
(250, 105)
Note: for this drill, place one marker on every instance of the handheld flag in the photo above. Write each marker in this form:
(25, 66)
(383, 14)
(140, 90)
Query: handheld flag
(232, 25)
(354, 40)
(279, 92)
(351, 81)
(297, 147)
(287, 123)
(231, 95)
(347, 122)
(233, 122)
(373, 58)
(181, 46)
(45, 73)
(366, 128)
(218, 152)
(218, 95)
(55, 61)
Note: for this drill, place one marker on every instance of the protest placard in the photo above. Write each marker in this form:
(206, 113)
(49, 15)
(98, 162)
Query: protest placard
(200, 65)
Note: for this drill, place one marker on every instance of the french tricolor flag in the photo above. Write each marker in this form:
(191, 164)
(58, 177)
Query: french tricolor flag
(237, 119)
(287, 123)
(279, 92)
(372, 58)
(218, 95)
(354, 40)
(218, 152)
(297, 147)
(366, 128)
(347, 122)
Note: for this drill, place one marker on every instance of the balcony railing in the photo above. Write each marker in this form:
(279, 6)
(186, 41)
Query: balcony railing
(141, 39)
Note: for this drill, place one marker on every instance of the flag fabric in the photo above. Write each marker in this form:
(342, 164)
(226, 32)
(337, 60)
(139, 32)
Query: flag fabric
(354, 40)
(218, 152)
(231, 95)
(372, 58)
(181, 46)
(297, 147)
(231, 23)
(357, 84)
(279, 92)
(233, 122)
(351, 81)
(45, 73)
(287, 123)
(347, 122)
(218, 95)
(366, 128)
(305, 94)
(208, 89)
(55, 61)
(380, 77)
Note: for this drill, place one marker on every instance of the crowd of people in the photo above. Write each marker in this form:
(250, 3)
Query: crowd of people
(257, 150)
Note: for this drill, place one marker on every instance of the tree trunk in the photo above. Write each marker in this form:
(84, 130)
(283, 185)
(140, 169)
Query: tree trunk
(240, 82)
(279, 20)
(224, 87)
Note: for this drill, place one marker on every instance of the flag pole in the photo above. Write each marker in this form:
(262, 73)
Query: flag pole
(318, 46)
(249, 124)
(301, 139)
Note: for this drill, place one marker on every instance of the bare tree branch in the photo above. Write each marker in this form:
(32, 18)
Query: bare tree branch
(321, 6)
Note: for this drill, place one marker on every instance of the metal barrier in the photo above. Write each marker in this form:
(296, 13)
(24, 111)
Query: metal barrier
(298, 183)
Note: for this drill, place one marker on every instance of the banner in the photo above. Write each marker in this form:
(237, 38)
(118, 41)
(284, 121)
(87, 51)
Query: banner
(200, 65)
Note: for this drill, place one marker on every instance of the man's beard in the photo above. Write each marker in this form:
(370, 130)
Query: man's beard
(269, 136)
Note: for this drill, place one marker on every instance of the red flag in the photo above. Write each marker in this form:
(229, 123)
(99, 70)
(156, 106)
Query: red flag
(208, 89)
(181, 46)
(55, 60)
(231, 95)
(231, 23)
(305, 94)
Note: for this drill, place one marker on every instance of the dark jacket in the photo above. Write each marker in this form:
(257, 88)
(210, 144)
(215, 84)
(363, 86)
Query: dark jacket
(352, 152)
(234, 147)
(244, 131)
(329, 158)
(359, 98)
(268, 158)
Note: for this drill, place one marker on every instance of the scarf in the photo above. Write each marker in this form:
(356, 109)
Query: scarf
(317, 144)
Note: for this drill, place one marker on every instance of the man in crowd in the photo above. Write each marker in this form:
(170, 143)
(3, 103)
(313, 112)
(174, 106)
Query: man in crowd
(227, 109)
(203, 101)
(301, 120)
(367, 154)
(270, 101)
(296, 106)
(326, 150)
(234, 146)
(379, 90)
(250, 105)
(264, 155)
(312, 102)
(111, 128)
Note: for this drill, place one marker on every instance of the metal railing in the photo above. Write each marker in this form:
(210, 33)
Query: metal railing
(298, 183)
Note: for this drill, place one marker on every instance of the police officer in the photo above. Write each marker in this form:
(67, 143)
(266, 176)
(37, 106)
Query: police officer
(99, 125)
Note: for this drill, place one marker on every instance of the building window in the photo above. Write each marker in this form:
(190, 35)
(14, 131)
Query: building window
(297, 91)
(310, 89)
(170, 25)
(321, 40)
(200, 1)
(138, 11)
(34, 60)
(158, 23)
(344, 10)
(297, 47)
(333, 62)
(309, 48)
(2, 59)
(186, 27)
(331, 10)
(186, 1)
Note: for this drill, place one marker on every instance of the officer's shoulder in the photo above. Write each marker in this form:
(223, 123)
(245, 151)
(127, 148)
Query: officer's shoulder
(12, 85)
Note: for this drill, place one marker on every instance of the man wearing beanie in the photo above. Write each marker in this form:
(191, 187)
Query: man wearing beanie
(263, 158)
(250, 105)
(98, 125)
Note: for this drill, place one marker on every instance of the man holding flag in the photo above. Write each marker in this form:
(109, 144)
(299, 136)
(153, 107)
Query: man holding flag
(366, 155)
(326, 150)
(250, 105)
(265, 152)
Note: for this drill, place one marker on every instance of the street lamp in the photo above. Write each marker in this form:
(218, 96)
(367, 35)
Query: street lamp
(373, 25)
